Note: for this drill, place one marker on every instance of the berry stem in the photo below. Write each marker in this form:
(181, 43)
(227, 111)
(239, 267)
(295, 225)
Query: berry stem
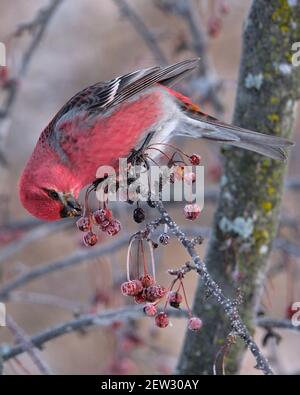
(128, 258)
(152, 259)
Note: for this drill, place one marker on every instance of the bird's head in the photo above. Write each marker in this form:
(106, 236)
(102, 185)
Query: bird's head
(49, 197)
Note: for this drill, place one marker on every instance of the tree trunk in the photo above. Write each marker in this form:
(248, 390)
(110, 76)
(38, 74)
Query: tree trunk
(246, 219)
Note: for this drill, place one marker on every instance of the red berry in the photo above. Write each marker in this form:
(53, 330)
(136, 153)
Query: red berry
(162, 320)
(139, 299)
(102, 216)
(191, 211)
(150, 310)
(90, 239)
(154, 293)
(195, 159)
(147, 280)
(83, 224)
(131, 288)
(194, 324)
(174, 299)
(113, 228)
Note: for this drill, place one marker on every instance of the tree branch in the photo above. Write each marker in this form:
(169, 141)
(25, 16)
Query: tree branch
(26, 344)
(141, 29)
(85, 321)
(268, 322)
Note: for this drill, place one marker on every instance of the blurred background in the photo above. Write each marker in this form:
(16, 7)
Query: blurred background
(81, 43)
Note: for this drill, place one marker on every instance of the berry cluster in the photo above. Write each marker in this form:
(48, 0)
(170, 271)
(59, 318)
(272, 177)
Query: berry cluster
(144, 289)
(174, 299)
(103, 220)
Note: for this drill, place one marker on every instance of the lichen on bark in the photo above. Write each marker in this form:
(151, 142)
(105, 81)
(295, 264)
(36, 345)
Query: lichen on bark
(252, 186)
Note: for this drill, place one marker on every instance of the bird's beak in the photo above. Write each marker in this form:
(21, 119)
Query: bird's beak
(71, 208)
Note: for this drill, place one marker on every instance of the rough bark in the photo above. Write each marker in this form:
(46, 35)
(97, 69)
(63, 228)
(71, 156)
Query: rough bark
(246, 219)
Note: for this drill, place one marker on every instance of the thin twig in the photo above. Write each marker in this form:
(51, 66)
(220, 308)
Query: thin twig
(79, 257)
(26, 344)
(106, 318)
(35, 234)
(273, 323)
(207, 82)
(46, 300)
(141, 29)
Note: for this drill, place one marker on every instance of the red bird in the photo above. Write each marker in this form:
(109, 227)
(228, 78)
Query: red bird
(109, 120)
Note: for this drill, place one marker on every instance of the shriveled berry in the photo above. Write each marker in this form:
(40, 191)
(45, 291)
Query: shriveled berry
(140, 298)
(150, 310)
(195, 159)
(154, 293)
(175, 299)
(113, 228)
(162, 320)
(103, 215)
(83, 224)
(147, 280)
(194, 324)
(164, 239)
(90, 239)
(191, 211)
(131, 288)
(139, 215)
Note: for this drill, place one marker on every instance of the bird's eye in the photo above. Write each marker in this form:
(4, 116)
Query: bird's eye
(53, 194)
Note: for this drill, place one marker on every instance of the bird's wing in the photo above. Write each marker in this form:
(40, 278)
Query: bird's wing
(103, 95)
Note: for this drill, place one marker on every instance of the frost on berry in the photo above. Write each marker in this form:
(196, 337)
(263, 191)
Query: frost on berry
(154, 293)
(83, 224)
(191, 211)
(174, 299)
(150, 310)
(131, 288)
(90, 239)
(194, 324)
(140, 298)
(147, 280)
(113, 227)
(162, 320)
(195, 159)
(102, 217)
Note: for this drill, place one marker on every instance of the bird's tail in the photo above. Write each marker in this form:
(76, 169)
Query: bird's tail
(201, 125)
